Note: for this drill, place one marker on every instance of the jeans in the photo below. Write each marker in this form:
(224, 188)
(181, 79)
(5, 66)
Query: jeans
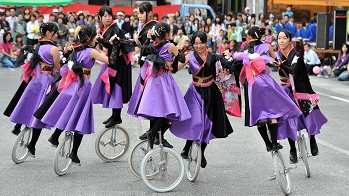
(343, 76)
(8, 62)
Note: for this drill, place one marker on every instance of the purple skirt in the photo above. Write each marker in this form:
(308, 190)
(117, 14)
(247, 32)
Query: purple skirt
(33, 96)
(72, 110)
(199, 127)
(134, 100)
(100, 95)
(162, 98)
(267, 99)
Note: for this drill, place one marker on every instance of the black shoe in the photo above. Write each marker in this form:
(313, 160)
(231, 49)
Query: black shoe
(150, 139)
(16, 131)
(203, 162)
(269, 148)
(108, 120)
(277, 147)
(314, 149)
(164, 142)
(31, 151)
(75, 158)
(143, 136)
(54, 142)
(112, 123)
(184, 154)
(293, 157)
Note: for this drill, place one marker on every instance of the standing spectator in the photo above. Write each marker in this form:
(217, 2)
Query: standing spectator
(155, 16)
(61, 10)
(37, 14)
(20, 28)
(216, 27)
(80, 24)
(53, 19)
(239, 19)
(288, 11)
(310, 59)
(96, 22)
(180, 25)
(40, 19)
(4, 24)
(70, 40)
(6, 46)
(26, 14)
(135, 12)
(252, 23)
(12, 19)
(244, 23)
(177, 14)
(55, 13)
(180, 38)
(228, 20)
(32, 30)
(280, 26)
(291, 26)
(247, 13)
(165, 18)
(271, 21)
(119, 20)
(62, 32)
(219, 41)
(236, 33)
(126, 26)
(71, 22)
(89, 20)
(260, 18)
(1, 33)
(303, 30)
(198, 15)
(81, 16)
(311, 30)
(330, 35)
(173, 28)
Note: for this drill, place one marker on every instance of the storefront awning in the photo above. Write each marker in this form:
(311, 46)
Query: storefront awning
(34, 2)
(314, 2)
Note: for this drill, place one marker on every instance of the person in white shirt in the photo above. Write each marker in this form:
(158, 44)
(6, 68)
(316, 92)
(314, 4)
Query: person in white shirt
(311, 59)
(180, 38)
(119, 20)
(32, 26)
(12, 19)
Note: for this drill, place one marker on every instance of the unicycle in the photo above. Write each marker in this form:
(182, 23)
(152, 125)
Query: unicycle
(19, 150)
(112, 143)
(303, 152)
(61, 161)
(194, 161)
(281, 172)
(168, 166)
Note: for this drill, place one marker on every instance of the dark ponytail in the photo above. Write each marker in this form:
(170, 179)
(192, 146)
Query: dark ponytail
(146, 7)
(161, 30)
(86, 35)
(256, 32)
(48, 27)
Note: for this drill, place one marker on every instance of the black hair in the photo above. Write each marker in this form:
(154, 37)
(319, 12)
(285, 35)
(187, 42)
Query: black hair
(287, 16)
(256, 32)
(2, 14)
(269, 31)
(199, 11)
(86, 35)
(146, 7)
(304, 23)
(259, 16)
(201, 35)
(156, 15)
(161, 29)
(5, 35)
(288, 34)
(48, 27)
(103, 10)
(226, 42)
(220, 20)
(341, 52)
(307, 44)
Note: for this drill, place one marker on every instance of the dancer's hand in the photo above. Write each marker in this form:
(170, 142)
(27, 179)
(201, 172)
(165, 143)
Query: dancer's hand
(150, 33)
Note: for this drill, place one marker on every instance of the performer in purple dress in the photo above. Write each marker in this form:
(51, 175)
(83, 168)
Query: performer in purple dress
(116, 91)
(40, 69)
(262, 94)
(159, 86)
(312, 118)
(73, 109)
(204, 100)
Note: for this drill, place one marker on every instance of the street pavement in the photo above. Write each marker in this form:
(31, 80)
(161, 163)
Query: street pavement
(237, 165)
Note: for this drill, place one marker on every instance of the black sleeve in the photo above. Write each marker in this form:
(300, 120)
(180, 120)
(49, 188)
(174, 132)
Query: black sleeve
(104, 42)
(128, 42)
(179, 58)
(234, 66)
(114, 55)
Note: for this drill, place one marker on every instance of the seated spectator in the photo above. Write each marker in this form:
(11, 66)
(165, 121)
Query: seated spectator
(344, 76)
(342, 61)
(80, 24)
(325, 70)
(9, 59)
(268, 36)
(311, 59)
(62, 32)
(19, 42)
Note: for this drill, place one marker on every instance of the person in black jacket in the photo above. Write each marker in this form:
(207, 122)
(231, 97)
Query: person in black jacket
(126, 26)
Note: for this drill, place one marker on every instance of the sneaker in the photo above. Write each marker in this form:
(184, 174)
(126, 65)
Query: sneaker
(16, 131)
(54, 142)
(320, 76)
(31, 151)
(164, 142)
(75, 158)
(293, 157)
(326, 76)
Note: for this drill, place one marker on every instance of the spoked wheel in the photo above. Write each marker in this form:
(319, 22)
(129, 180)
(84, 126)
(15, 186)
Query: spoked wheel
(136, 157)
(61, 160)
(168, 166)
(20, 150)
(194, 161)
(112, 143)
(303, 154)
(281, 173)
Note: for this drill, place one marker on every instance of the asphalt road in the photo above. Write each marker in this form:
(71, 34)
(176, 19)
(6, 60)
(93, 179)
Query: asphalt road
(237, 165)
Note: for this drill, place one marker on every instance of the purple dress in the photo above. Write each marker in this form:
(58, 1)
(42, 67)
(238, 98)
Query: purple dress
(73, 110)
(206, 105)
(35, 93)
(265, 98)
(312, 118)
(161, 89)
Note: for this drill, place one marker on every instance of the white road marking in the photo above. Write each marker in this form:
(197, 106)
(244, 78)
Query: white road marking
(346, 152)
(334, 97)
